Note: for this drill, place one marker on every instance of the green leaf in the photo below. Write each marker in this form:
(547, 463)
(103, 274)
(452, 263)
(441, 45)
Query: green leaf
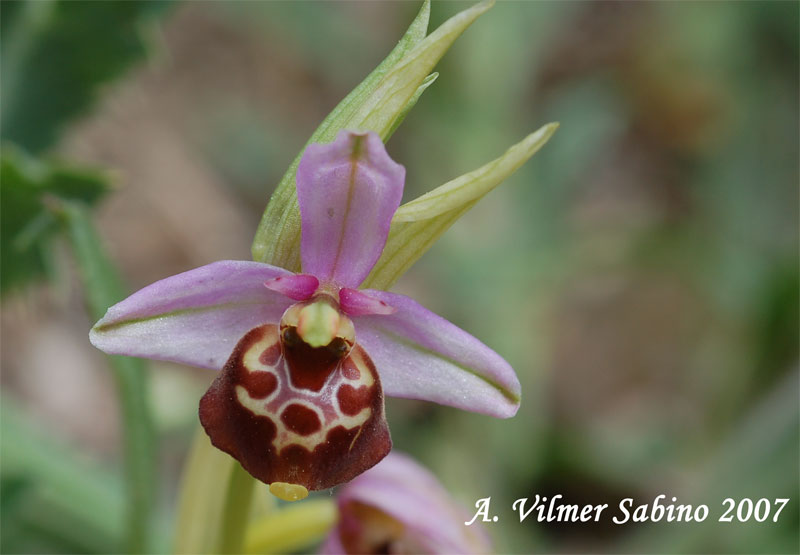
(381, 102)
(418, 224)
(26, 224)
(56, 54)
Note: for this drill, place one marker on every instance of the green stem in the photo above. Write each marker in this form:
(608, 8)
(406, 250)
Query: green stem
(296, 527)
(236, 510)
(103, 287)
(214, 501)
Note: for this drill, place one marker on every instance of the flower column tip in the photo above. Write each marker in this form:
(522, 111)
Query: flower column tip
(318, 323)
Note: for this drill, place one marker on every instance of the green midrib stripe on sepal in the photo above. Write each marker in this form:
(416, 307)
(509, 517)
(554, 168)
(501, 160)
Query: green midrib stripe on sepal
(102, 328)
(400, 340)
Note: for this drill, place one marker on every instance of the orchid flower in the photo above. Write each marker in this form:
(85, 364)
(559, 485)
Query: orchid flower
(399, 507)
(307, 358)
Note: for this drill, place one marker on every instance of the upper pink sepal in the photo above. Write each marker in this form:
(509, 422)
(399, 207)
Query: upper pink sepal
(358, 303)
(348, 191)
(298, 287)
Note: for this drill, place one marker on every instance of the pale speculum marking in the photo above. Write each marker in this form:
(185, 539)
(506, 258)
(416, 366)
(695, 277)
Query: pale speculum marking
(303, 416)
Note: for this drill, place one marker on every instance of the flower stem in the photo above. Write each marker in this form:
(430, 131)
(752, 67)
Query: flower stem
(103, 287)
(214, 503)
(236, 511)
(296, 527)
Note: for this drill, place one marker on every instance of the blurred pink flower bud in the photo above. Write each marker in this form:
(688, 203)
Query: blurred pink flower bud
(399, 507)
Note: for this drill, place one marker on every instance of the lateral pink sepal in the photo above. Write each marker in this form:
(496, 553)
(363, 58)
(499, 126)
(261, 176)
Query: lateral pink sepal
(299, 287)
(358, 303)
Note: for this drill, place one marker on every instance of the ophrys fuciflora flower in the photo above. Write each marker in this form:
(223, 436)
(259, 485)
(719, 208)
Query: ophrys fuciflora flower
(306, 358)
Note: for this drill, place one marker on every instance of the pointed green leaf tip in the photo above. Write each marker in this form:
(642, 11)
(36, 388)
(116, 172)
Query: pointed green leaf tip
(411, 103)
(419, 223)
(378, 104)
(382, 108)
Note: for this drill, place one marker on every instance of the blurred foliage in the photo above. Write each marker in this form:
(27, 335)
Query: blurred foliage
(641, 274)
(27, 224)
(104, 287)
(56, 53)
(651, 298)
(55, 499)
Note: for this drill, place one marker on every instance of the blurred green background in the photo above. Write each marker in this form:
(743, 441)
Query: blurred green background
(640, 273)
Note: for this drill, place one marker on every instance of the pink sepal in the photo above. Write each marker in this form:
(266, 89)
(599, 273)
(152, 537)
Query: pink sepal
(347, 191)
(298, 287)
(358, 303)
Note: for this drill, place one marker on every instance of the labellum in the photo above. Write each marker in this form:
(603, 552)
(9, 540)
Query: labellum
(292, 407)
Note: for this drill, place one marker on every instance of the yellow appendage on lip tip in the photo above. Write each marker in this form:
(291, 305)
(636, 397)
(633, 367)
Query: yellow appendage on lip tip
(288, 492)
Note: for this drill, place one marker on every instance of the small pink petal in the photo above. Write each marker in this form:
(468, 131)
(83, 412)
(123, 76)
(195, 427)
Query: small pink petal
(358, 303)
(298, 287)
(348, 191)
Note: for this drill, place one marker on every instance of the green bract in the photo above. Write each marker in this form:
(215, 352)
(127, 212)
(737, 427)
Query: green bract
(277, 240)
(378, 104)
(418, 224)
